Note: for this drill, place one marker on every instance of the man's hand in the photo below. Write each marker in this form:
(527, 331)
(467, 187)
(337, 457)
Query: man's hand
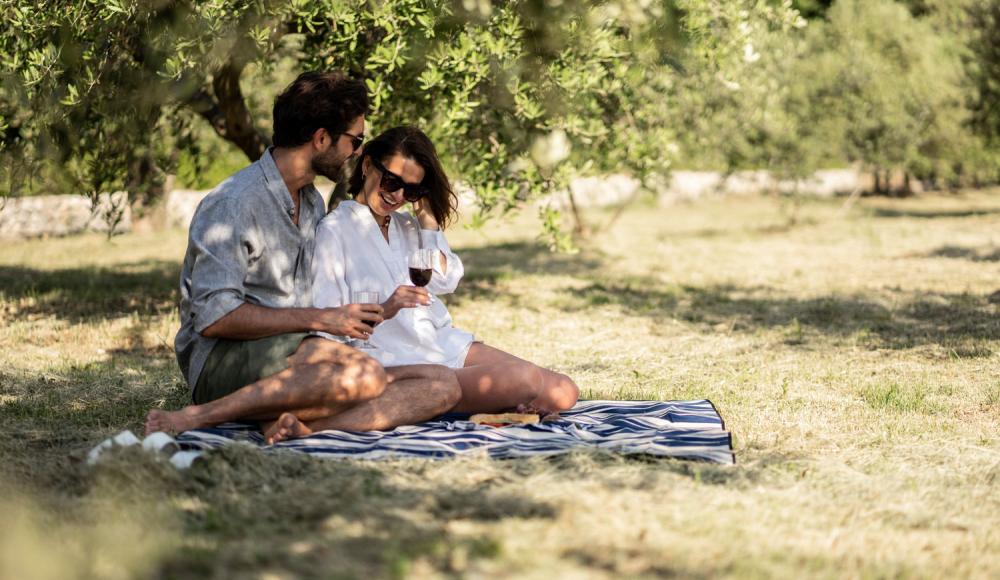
(353, 320)
(405, 297)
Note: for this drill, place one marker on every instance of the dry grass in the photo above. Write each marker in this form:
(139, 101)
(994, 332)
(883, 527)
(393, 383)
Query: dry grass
(855, 360)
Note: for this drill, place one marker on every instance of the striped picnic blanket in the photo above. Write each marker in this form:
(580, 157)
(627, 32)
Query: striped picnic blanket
(680, 429)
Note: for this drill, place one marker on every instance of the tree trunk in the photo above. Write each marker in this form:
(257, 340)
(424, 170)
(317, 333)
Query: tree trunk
(239, 127)
(621, 208)
(580, 228)
(226, 111)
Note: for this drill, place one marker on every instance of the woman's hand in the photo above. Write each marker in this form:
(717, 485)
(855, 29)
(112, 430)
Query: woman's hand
(422, 208)
(404, 297)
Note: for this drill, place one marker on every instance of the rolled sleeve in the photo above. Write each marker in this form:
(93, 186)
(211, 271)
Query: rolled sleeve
(443, 282)
(220, 258)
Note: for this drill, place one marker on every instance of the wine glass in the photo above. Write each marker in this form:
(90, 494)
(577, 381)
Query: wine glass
(364, 297)
(421, 263)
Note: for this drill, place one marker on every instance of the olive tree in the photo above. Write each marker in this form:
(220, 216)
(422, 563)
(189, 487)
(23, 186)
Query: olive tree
(518, 95)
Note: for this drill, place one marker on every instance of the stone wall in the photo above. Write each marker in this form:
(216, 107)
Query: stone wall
(690, 185)
(687, 185)
(60, 215)
(180, 204)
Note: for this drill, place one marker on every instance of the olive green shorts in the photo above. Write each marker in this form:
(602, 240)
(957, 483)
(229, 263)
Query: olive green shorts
(234, 364)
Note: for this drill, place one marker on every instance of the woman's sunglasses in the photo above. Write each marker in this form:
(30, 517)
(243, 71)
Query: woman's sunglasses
(391, 182)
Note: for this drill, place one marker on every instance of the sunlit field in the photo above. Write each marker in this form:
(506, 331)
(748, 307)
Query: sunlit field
(856, 359)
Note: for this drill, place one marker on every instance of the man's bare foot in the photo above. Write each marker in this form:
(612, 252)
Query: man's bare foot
(171, 422)
(286, 427)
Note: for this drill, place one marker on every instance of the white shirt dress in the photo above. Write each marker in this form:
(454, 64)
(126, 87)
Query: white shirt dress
(351, 255)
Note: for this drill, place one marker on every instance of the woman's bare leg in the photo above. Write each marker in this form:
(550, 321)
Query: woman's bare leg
(493, 380)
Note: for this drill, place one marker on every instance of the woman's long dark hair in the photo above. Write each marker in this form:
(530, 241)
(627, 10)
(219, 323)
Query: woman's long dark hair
(411, 143)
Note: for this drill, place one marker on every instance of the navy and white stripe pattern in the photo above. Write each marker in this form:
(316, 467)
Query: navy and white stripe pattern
(680, 429)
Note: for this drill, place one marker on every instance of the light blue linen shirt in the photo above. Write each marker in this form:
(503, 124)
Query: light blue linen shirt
(243, 247)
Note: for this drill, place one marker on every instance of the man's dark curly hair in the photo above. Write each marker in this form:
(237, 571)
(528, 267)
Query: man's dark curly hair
(328, 100)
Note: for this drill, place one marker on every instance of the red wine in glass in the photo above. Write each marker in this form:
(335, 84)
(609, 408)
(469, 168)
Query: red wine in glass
(421, 264)
(421, 277)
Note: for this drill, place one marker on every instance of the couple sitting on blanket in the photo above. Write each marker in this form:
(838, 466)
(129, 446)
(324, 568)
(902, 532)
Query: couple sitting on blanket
(267, 315)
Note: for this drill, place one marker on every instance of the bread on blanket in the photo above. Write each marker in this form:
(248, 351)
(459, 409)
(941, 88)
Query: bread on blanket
(505, 419)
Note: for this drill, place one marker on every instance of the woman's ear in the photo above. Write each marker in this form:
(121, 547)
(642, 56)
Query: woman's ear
(365, 167)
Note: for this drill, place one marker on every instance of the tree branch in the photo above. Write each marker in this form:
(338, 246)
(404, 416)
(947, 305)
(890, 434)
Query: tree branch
(227, 112)
(236, 123)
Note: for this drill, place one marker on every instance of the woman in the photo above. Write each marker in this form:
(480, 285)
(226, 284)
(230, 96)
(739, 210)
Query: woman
(363, 245)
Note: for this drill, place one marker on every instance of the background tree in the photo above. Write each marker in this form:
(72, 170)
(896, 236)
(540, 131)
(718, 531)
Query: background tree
(880, 83)
(519, 95)
(983, 61)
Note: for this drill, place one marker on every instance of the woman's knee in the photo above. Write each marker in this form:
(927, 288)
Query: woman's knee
(561, 393)
(533, 375)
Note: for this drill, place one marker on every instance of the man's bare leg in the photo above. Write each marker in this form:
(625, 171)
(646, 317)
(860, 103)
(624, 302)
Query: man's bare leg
(493, 380)
(323, 376)
(414, 393)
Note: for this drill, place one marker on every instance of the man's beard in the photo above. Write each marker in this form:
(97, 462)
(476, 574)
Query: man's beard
(330, 166)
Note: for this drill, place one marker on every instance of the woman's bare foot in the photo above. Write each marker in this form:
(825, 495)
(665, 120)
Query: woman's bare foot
(171, 422)
(543, 414)
(286, 427)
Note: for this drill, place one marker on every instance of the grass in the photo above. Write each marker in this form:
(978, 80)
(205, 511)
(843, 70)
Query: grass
(855, 360)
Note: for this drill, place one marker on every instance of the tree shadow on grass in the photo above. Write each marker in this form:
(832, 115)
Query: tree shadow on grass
(109, 391)
(949, 320)
(487, 268)
(919, 214)
(82, 294)
(941, 318)
(528, 258)
(246, 512)
(776, 228)
(47, 418)
(963, 253)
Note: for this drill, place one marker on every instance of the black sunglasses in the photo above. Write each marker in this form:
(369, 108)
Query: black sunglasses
(356, 140)
(391, 182)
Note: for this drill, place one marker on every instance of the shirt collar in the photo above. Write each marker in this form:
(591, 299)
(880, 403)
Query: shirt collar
(276, 183)
(358, 208)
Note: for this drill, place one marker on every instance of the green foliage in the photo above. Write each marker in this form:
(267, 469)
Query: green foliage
(112, 95)
(984, 22)
(880, 82)
(520, 96)
(742, 100)
(896, 86)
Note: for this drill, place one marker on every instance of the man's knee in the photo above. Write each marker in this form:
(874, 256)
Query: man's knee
(449, 391)
(370, 379)
(359, 380)
(443, 386)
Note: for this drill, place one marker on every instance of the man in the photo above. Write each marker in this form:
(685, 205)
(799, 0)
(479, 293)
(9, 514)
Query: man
(244, 344)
